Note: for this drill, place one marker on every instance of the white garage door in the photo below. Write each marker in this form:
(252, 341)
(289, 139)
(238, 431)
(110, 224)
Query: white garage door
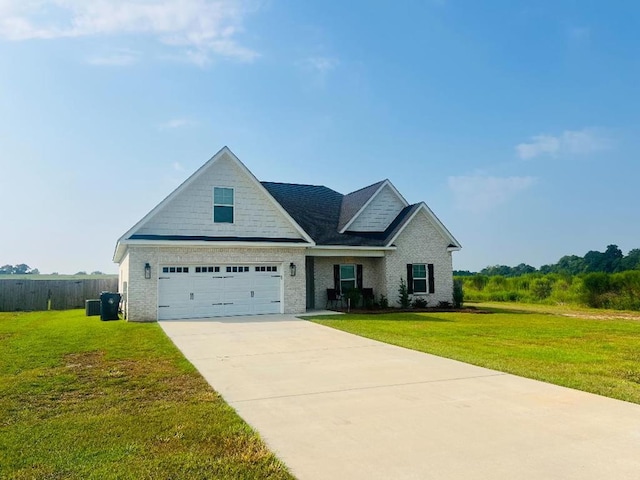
(200, 291)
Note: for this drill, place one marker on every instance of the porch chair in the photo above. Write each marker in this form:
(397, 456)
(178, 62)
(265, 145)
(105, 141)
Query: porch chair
(333, 297)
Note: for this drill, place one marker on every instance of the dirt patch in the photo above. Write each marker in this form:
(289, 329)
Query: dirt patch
(603, 316)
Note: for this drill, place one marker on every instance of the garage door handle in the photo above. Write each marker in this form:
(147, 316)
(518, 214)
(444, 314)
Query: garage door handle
(191, 296)
(230, 303)
(164, 306)
(275, 301)
(217, 304)
(252, 293)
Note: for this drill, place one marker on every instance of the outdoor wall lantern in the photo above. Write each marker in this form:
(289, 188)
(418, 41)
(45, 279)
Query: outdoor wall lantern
(292, 269)
(147, 271)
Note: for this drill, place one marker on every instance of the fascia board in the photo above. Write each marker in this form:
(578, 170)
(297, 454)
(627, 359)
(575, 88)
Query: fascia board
(216, 244)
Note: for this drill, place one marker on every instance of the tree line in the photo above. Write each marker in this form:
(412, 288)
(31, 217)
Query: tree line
(611, 260)
(606, 279)
(24, 269)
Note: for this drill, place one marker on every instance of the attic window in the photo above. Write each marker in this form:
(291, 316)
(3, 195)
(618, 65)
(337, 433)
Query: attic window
(222, 205)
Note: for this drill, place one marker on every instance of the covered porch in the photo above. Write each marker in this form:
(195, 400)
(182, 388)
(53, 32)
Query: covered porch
(332, 275)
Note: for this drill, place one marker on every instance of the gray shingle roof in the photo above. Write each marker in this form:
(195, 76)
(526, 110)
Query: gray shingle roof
(354, 201)
(318, 211)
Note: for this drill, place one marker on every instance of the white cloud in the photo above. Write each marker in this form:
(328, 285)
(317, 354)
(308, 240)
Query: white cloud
(322, 65)
(203, 28)
(578, 142)
(119, 58)
(481, 193)
(319, 68)
(177, 166)
(176, 123)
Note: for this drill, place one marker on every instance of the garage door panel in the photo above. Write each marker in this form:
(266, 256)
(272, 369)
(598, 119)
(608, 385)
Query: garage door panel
(194, 294)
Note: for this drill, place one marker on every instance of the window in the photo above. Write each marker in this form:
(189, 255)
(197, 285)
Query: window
(267, 269)
(222, 205)
(347, 278)
(419, 278)
(175, 269)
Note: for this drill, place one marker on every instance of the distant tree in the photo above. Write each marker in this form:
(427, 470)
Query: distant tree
(503, 270)
(522, 269)
(462, 273)
(97, 272)
(34, 271)
(570, 265)
(21, 269)
(612, 257)
(81, 272)
(631, 261)
(545, 269)
(6, 270)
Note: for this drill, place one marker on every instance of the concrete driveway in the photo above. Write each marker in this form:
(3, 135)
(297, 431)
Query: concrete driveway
(336, 406)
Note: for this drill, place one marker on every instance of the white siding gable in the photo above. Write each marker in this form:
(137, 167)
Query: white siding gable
(190, 212)
(379, 214)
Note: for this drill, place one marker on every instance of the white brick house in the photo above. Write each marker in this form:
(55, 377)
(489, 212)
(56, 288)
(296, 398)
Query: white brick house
(224, 243)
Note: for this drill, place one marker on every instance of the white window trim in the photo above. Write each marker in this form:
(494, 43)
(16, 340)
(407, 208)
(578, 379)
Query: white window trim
(354, 279)
(213, 201)
(425, 278)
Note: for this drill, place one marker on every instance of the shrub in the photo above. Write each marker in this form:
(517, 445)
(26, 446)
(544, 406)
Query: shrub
(353, 295)
(403, 294)
(541, 288)
(419, 302)
(444, 304)
(383, 302)
(458, 293)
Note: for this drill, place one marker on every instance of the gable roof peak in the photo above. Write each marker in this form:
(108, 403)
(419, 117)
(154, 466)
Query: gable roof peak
(373, 186)
(354, 203)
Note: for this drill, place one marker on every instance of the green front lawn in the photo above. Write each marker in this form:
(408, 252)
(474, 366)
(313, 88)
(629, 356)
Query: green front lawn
(587, 350)
(85, 399)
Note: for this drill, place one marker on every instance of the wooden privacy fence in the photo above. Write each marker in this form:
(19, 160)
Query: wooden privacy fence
(26, 295)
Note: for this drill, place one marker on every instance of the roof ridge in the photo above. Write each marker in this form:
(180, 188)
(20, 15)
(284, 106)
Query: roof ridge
(368, 186)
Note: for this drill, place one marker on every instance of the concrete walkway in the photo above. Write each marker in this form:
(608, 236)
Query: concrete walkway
(336, 406)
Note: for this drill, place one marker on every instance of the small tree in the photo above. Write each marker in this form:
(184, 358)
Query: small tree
(541, 288)
(458, 293)
(403, 294)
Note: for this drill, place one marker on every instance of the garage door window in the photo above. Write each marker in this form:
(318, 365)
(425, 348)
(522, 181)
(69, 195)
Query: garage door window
(222, 205)
(175, 269)
(267, 269)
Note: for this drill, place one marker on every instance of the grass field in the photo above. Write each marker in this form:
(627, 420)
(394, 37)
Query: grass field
(85, 399)
(592, 350)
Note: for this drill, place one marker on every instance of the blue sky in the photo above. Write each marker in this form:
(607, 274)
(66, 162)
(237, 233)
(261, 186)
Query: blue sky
(516, 121)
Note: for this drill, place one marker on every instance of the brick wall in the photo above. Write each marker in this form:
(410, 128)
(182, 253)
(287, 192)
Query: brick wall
(143, 293)
(420, 242)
